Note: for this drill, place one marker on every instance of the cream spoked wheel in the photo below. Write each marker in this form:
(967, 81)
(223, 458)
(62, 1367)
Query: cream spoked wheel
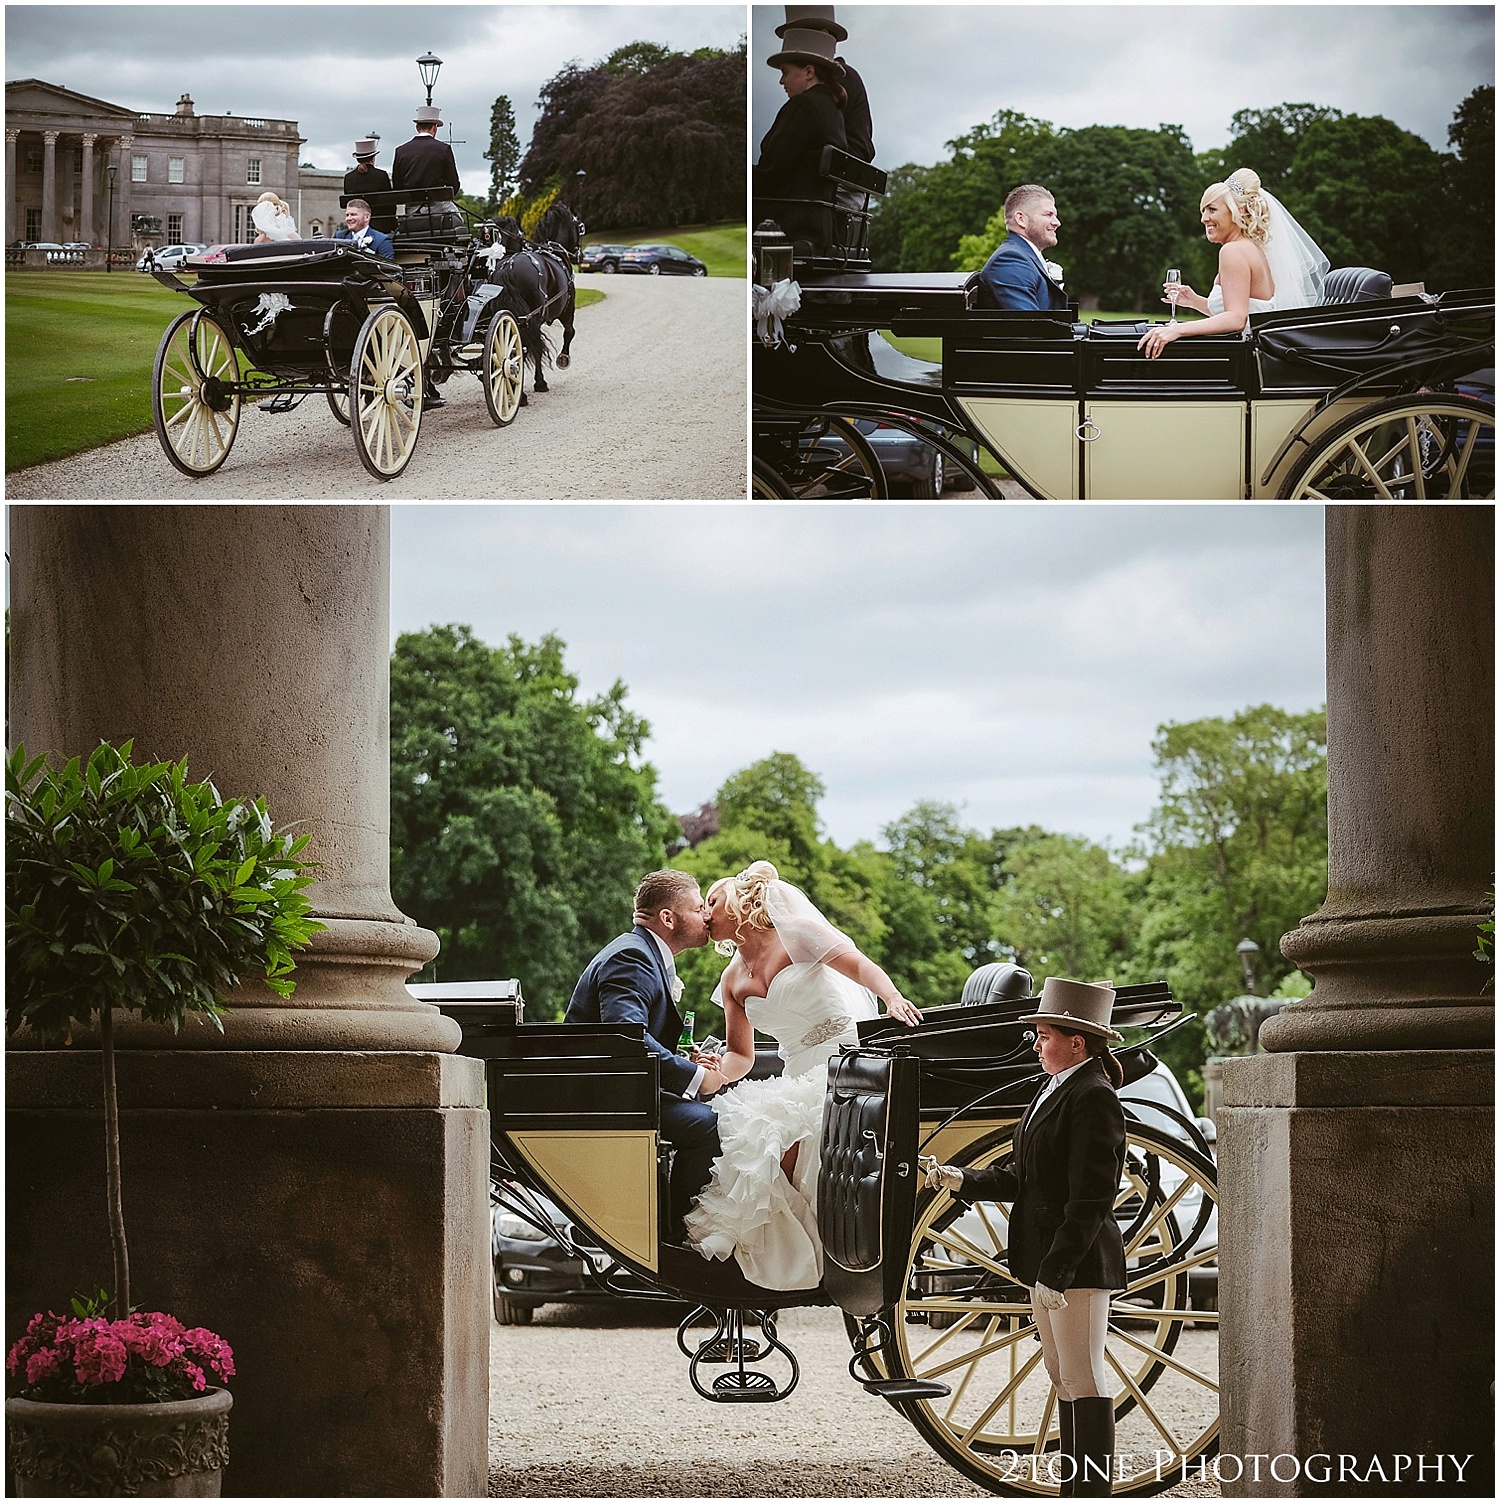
(965, 1322)
(503, 368)
(1430, 446)
(338, 403)
(195, 399)
(385, 384)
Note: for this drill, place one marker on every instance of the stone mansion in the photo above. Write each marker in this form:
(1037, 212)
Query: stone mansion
(176, 178)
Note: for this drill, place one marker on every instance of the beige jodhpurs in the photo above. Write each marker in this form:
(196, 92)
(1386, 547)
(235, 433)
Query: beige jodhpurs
(1073, 1343)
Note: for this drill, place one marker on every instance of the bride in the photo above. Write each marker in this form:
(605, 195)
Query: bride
(797, 978)
(1266, 261)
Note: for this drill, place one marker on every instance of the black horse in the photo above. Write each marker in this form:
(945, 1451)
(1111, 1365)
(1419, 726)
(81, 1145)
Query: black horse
(538, 284)
(562, 228)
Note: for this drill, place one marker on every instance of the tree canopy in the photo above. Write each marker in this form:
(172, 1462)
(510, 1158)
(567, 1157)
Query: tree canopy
(521, 815)
(504, 155)
(661, 135)
(1368, 191)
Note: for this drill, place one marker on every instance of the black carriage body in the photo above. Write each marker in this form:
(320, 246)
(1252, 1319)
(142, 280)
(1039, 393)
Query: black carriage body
(1075, 411)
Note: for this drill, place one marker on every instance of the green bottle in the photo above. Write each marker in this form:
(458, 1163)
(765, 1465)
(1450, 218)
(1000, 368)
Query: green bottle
(685, 1043)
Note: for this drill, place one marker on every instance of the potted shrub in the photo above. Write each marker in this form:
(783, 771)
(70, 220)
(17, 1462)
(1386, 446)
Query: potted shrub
(128, 887)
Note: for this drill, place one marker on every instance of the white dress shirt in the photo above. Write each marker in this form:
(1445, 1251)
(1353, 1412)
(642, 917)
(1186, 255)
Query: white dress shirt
(674, 982)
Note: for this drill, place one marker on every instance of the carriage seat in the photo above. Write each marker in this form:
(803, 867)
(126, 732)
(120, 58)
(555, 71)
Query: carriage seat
(1355, 284)
(830, 229)
(1000, 981)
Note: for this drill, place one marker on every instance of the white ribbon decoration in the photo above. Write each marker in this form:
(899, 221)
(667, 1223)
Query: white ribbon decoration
(771, 307)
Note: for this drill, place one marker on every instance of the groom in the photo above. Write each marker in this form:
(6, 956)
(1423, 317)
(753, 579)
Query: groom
(1017, 276)
(633, 979)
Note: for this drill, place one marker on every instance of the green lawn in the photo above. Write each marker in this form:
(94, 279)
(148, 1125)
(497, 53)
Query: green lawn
(723, 248)
(80, 347)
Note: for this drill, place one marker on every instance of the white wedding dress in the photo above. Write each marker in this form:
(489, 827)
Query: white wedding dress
(750, 1210)
(1216, 302)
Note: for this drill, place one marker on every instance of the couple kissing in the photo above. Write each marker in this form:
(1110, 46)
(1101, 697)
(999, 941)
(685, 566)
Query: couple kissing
(745, 1170)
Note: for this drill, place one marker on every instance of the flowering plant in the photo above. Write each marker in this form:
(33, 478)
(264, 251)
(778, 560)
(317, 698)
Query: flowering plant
(146, 1358)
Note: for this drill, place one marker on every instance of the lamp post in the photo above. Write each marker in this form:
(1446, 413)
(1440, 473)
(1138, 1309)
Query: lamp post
(428, 65)
(109, 234)
(1246, 949)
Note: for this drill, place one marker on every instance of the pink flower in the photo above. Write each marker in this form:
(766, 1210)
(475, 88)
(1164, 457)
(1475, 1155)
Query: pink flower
(43, 1364)
(99, 1356)
(195, 1373)
(212, 1349)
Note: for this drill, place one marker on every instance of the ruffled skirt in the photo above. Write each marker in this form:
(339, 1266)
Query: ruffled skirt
(750, 1210)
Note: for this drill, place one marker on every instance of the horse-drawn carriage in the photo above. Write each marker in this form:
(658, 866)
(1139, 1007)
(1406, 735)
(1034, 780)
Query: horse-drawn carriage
(283, 321)
(1364, 396)
(938, 1327)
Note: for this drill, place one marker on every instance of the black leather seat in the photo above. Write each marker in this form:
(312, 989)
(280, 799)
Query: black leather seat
(1000, 981)
(1355, 284)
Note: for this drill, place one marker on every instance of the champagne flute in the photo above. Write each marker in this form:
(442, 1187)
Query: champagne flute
(1174, 274)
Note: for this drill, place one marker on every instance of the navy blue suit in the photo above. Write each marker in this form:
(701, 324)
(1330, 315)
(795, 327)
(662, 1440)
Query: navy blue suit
(378, 240)
(628, 982)
(1015, 279)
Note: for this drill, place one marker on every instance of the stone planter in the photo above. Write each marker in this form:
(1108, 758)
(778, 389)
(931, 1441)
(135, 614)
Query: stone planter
(176, 1450)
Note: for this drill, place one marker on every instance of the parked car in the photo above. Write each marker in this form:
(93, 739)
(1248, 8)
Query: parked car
(605, 258)
(166, 257)
(661, 260)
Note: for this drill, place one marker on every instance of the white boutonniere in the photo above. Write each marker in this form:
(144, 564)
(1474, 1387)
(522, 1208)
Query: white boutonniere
(1054, 271)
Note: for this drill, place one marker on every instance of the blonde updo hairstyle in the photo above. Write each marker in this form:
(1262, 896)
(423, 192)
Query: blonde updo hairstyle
(1247, 205)
(745, 900)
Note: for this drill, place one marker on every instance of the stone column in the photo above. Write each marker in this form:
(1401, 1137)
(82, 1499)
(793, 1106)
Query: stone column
(11, 234)
(1356, 1156)
(49, 185)
(253, 640)
(313, 1186)
(86, 207)
(123, 234)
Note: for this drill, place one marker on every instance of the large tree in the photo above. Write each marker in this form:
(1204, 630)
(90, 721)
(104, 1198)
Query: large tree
(660, 134)
(522, 815)
(1267, 140)
(504, 155)
(1465, 253)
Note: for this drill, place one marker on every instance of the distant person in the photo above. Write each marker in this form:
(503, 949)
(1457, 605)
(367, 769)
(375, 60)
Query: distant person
(427, 163)
(272, 218)
(365, 179)
(811, 118)
(359, 229)
(1018, 276)
(857, 125)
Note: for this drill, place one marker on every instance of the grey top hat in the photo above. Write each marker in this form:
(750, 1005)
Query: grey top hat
(804, 47)
(366, 149)
(427, 114)
(813, 18)
(1079, 1005)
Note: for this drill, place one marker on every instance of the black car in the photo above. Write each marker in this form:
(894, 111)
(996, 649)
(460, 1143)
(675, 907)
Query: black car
(605, 258)
(911, 467)
(661, 260)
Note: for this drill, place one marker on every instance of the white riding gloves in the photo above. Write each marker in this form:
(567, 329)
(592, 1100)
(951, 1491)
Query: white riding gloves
(938, 1176)
(1050, 1299)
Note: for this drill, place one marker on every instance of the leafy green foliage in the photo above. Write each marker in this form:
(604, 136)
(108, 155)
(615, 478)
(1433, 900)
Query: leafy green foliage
(522, 816)
(128, 886)
(504, 155)
(661, 135)
(1465, 252)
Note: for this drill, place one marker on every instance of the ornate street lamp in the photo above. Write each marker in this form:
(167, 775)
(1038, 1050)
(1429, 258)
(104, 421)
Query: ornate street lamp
(1247, 949)
(428, 65)
(109, 234)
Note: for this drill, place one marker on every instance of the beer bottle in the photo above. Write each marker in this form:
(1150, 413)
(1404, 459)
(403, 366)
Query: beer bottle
(685, 1043)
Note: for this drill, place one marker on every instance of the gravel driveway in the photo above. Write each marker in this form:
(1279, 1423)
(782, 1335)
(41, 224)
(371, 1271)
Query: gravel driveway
(652, 408)
(594, 1402)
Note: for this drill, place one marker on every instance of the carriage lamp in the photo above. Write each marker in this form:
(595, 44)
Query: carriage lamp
(773, 253)
(428, 65)
(109, 232)
(1247, 949)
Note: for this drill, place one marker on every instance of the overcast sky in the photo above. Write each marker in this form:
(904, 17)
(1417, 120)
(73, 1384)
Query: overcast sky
(1012, 660)
(342, 71)
(935, 71)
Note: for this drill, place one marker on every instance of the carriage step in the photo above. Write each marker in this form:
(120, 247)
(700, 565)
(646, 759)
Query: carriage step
(906, 1388)
(282, 402)
(745, 1388)
(726, 1350)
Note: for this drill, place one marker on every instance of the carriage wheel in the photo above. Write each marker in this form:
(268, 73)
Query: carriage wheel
(767, 484)
(503, 368)
(195, 399)
(338, 403)
(1429, 446)
(815, 472)
(385, 383)
(964, 1321)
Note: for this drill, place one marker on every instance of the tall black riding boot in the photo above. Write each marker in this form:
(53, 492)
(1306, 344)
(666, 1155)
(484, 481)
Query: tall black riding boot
(1094, 1446)
(1067, 1464)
